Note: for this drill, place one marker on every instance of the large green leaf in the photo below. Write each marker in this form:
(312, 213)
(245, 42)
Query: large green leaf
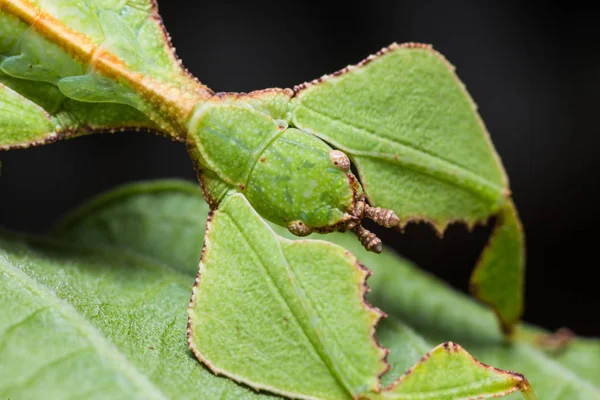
(420, 148)
(109, 284)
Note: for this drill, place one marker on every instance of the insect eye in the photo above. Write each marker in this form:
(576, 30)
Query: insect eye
(340, 160)
(299, 228)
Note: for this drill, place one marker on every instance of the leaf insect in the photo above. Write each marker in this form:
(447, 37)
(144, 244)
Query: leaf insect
(401, 117)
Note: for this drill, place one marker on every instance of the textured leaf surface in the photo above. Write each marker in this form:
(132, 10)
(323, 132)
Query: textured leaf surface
(420, 148)
(102, 273)
(262, 301)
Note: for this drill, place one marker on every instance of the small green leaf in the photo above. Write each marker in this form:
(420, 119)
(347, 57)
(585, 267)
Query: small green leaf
(448, 372)
(284, 316)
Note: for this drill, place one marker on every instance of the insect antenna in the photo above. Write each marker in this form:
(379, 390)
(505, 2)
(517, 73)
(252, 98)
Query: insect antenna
(381, 216)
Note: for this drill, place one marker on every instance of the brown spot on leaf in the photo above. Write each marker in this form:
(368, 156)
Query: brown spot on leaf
(340, 160)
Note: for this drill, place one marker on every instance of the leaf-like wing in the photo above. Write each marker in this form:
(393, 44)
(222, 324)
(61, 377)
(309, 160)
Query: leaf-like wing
(419, 146)
(279, 315)
(92, 65)
(413, 134)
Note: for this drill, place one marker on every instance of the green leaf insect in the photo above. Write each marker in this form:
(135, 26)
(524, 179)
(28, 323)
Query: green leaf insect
(277, 314)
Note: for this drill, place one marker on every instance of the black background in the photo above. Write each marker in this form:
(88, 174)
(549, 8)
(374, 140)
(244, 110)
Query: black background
(534, 73)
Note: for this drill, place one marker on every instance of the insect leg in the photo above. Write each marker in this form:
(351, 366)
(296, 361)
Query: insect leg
(369, 240)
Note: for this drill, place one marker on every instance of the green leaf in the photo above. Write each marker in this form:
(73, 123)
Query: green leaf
(163, 220)
(262, 301)
(449, 372)
(420, 148)
(106, 272)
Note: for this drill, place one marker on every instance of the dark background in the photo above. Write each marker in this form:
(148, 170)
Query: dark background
(534, 73)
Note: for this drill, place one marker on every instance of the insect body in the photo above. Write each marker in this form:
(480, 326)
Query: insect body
(289, 176)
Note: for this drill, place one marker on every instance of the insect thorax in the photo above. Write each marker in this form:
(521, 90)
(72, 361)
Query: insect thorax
(289, 176)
